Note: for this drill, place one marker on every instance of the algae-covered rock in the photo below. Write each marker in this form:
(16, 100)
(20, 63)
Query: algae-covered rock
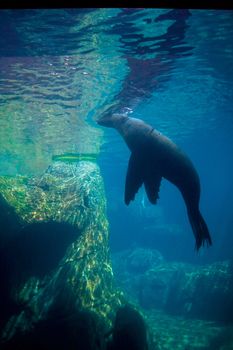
(185, 306)
(203, 292)
(131, 271)
(60, 215)
(193, 291)
(140, 260)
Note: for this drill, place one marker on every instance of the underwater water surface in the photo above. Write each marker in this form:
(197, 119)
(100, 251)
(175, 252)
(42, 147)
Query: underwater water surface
(61, 70)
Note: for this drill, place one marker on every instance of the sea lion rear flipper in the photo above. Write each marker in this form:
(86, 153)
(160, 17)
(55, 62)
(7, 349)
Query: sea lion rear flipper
(200, 229)
(152, 183)
(134, 177)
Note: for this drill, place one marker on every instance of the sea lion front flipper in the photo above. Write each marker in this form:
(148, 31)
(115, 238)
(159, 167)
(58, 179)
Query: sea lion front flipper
(152, 183)
(134, 177)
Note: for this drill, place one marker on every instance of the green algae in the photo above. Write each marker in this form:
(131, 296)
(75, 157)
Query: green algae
(72, 193)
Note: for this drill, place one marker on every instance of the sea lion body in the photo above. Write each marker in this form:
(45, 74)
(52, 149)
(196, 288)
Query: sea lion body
(153, 157)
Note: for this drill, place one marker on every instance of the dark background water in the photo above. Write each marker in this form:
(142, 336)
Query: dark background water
(61, 69)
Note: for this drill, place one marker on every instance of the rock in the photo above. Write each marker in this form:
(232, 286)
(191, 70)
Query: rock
(136, 261)
(129, 330)
(69, 198)
(176, 288)
(130, 267)
(140, 260)
(198, 293)
(154, 286)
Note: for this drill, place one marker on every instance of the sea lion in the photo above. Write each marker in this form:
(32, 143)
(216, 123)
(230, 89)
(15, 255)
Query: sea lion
(154, 156)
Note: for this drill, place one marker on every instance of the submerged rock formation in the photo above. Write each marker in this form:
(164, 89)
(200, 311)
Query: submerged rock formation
(176, 288)
(55, 258)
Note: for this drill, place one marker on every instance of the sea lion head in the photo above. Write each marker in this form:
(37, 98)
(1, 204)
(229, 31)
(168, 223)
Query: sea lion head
(113, 121)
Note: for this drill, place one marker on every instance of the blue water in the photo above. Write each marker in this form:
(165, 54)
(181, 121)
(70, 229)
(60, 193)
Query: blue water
(62, 69)
(185, 91)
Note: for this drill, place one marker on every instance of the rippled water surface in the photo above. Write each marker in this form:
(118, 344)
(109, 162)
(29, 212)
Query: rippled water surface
(62, 68)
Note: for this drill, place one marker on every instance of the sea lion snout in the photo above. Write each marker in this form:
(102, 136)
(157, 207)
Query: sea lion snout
(105, 121)
(111, 120)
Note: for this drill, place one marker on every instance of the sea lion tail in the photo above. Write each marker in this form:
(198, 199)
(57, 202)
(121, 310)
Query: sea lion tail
(199, 228)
